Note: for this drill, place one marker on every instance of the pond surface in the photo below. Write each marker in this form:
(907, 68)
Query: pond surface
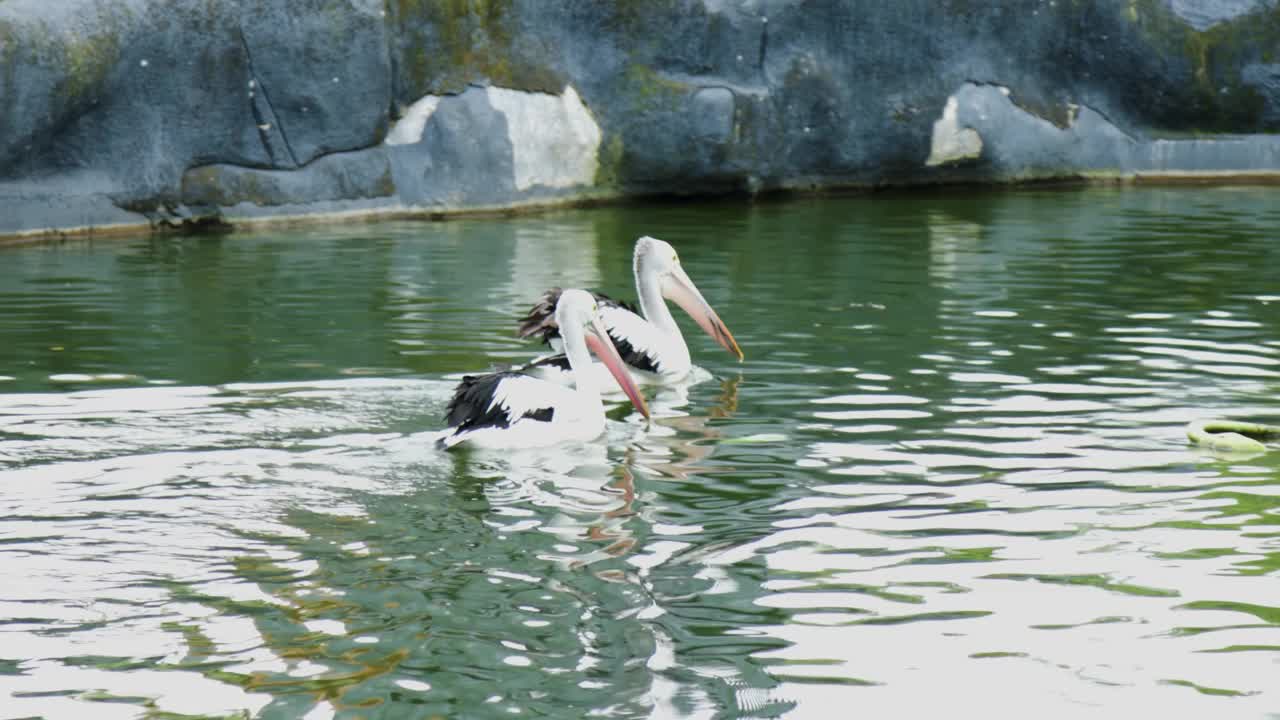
(950, 478)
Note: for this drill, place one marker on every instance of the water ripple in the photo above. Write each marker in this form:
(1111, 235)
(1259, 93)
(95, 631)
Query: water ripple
(952, 469)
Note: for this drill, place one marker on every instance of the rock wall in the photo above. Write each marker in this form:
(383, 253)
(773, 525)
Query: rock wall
(140, 112)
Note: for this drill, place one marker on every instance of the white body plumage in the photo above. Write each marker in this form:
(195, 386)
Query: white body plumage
(652, 345)
(512, 409)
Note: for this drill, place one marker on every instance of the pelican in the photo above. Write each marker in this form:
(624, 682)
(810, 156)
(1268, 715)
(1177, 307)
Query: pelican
(512, 409)
(651, 345)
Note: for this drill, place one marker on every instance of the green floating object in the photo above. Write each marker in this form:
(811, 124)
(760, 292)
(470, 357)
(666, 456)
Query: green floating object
(1232, 435)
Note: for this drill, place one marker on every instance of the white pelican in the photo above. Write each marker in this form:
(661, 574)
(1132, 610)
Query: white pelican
(511, 409)
(652, 346)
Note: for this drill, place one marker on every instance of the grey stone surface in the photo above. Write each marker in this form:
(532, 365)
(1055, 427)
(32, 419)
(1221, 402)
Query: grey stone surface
(323, 70)
(340, 176)
(1018, 144)
(141, 111)
(70, 201)
(135, 93)
(713, 114)
(1264, 79)
(463, 157)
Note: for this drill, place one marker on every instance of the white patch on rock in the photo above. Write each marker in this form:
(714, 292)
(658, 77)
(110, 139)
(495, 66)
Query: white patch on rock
(554, 139)
(408, 129)
(952, 143)
(1204, 14)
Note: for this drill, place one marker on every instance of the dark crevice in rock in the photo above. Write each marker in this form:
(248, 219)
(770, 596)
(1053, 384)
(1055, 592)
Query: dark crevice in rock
(212, 223)
(167, 215)
(764, 43)
(265, 121)
(988, 83)
(1061, 115)
(1123, 131)
(298, 168)
(717, 86)
(392, 25)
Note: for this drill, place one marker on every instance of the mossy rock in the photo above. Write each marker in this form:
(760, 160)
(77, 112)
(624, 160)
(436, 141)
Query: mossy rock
(453, 43)
(1217, 98)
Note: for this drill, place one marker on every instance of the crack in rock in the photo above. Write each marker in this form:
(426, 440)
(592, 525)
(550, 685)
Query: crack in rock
(266, 118)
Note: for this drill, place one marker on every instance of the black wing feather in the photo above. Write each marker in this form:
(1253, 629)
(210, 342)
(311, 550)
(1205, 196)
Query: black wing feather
(606, 300)
(560, 361)
(540, 321)
(633, 357)
(541, 414)
(472, 404)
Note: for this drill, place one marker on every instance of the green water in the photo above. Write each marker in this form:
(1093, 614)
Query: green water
(950, 478)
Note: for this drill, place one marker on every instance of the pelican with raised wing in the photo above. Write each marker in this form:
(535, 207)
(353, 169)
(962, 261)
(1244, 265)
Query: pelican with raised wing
(649, 341)
(512, 409)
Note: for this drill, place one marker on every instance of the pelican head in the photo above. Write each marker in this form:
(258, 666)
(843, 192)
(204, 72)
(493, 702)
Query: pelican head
(578, 310)
(656, 258)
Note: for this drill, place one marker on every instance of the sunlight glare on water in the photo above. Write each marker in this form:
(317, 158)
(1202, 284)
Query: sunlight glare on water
(951, 476)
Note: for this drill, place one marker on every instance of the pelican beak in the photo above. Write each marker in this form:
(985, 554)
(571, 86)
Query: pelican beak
(599, 343)
(679, 289)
